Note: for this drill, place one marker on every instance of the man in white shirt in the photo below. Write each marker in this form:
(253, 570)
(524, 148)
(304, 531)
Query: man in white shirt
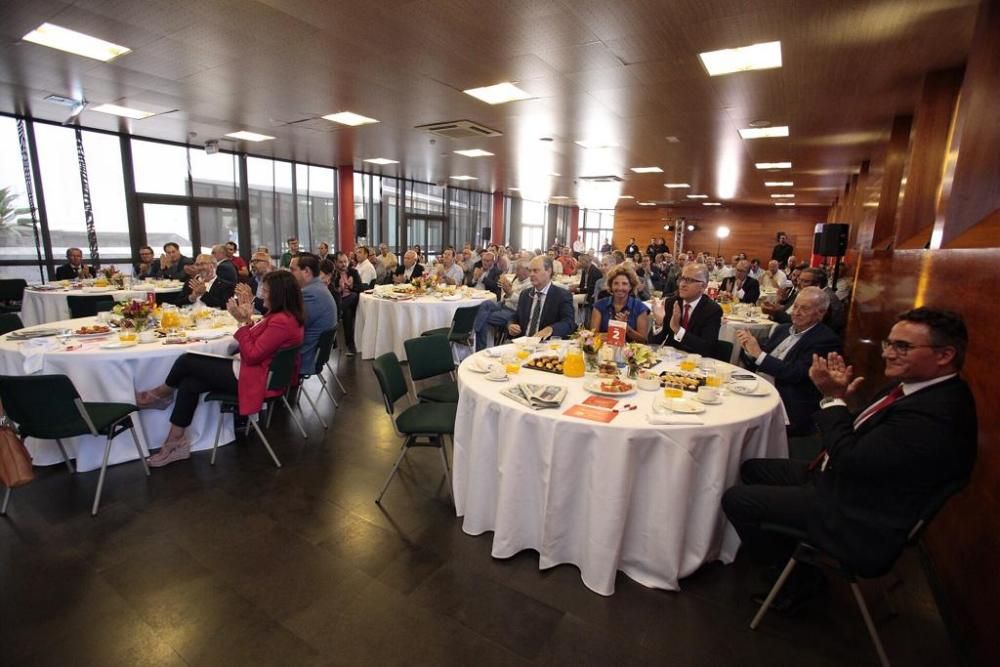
(494, 314)
(364, 266)
(579, 247)
(774, 277)
(409, 270)
(449, 270)
(756, 270)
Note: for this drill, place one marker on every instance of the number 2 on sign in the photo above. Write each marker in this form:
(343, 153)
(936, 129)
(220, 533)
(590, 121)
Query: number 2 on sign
(616, 333)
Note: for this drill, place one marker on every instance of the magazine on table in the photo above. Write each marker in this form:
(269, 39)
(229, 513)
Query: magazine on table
(536, 396)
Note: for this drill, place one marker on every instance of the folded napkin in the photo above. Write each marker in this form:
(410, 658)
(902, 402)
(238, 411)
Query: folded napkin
(671, 420)
(34, 353)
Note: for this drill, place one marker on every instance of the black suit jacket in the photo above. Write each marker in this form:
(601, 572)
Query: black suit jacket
(491, 281)
(418, 270)
(630, 250)
(557, 311)
(882, 476)
(352, 299)
(751, 288)
(216, 296)
(67, 272)
(835, 318)
(588, 279)
(791, 374)
(227, 271)
(702, 330)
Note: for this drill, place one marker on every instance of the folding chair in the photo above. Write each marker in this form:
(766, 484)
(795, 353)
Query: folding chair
(430, 356)
(10, 322)
(323, 346)
(12, 294)
(460, 332)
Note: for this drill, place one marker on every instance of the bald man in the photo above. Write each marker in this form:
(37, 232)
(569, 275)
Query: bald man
(409, 269)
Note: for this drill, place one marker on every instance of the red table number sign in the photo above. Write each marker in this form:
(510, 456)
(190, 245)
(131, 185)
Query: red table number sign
(616, 333)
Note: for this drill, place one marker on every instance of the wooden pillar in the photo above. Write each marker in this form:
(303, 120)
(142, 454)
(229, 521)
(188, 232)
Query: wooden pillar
(345, 207)
(892, 178)
(975, 190)
(496, 231)
(933, 123)
(857, 213)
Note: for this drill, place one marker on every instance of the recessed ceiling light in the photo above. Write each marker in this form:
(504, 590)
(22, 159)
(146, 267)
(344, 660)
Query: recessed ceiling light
(349, 118)
(765, 55)
(690, 228)
(784, 196)
(243, 135)
(499, 93)
(125, 112)
(475, 152)
(784, 203)
(764, 132)
(646, 203)
(515, 189)
(381, 160)
(773, 165)
(591, 143)
(558, 197)
(778, 184)
(710, 203)
(676, 185)
(72, 41)
(626, 197)
(672, 139)
(464, 178)
(697, 196)
(647, 170)
(556, 174)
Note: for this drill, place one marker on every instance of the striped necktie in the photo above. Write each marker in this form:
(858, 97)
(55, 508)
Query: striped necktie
(536, 314)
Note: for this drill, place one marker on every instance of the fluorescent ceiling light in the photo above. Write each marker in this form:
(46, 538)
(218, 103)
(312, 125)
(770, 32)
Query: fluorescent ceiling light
(126, 112)
(556, 174)
(464, 178)
(515, 189)
(647, 170)
(765, 55)
(710, 203)
(499, 93)
(646, 203)
(764, 132)
(349, 118)
(782, 196)
(697, 196)
(249, 136)
(672, 139)
(626, 197)
(784, 203)
(778, 184)
(589, 143)
(558, 197)
(475, 152)
(381, 160)
(72, 41)
(773, 165)
(677, 185)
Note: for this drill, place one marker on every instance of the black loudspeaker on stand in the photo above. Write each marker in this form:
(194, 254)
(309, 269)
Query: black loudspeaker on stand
(360, 228)
(833, 241)
(487, 233)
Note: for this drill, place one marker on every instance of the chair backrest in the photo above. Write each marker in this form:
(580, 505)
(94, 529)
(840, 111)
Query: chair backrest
(12, 289)
(282, 368)
(10, 322)
(86, 306)
(324, 344)
(37, 401)
(934, 505)
(389, 374)
(429, 356)
(463, 321)
(722, 350)
(104, 306)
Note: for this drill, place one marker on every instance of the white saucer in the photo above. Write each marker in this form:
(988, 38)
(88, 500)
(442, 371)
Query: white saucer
(117, 345)
(759, 390)
(698, 398)
(503, 379)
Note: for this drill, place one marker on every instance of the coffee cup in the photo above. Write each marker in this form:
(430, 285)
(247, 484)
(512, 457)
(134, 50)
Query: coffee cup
(497, 372)
(708, 394)
(147, 337)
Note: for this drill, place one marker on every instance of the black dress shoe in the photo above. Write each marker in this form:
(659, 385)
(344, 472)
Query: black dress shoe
(797, 591)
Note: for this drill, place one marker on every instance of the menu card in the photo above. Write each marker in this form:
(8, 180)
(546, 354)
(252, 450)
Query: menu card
(591, 413)
(601, 402)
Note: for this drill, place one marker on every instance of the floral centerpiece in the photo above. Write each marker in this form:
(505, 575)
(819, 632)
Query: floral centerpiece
(590, 343)
(133, 314)
(112, 276)
(424, 283)
(637, 356)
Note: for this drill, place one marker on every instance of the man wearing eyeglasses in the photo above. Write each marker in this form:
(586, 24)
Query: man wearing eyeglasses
(881, 468)
(787, 355)
(694, 321)
(741, 286)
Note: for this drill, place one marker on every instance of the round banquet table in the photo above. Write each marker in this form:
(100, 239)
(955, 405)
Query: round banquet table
(627, 495)
(114, 376)
(760, 328)
(44, 306)
(383, 324)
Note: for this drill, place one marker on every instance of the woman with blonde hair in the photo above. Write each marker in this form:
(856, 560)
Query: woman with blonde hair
(389, 264)
(622, 305)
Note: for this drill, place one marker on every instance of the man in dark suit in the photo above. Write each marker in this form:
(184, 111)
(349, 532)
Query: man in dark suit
(695, 319)
(632, 249)
(346, 287)
(836, 316)
(741, 286)
(205, 286)
(174, 265)
(74, 268)
(260, 266)
(545, 309)
(589, 275)
(409, 269)
(881, 467)
(224, 267)
(788, 353)
(487, 276)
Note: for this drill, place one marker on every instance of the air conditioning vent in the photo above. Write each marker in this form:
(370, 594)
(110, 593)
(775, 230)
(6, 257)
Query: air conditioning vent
(459, 129)
(601, 179)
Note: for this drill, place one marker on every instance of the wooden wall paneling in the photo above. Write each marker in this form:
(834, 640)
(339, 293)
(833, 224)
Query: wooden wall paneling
(963, 541)
(856, 215)
(933, 124)
(892, 175)
(975, 192)
(752, 228)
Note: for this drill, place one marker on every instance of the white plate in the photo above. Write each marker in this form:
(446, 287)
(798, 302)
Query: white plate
(698, 398)
(453, 297)
(759, 390)
(109, 288)
(492, 379)
(479, 365)
(117, 345)
(594, 387)
(682, 406)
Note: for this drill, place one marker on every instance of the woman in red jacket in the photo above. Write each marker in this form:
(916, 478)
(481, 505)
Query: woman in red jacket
(194, 374)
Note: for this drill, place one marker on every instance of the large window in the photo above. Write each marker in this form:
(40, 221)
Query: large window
(317, 205)
(160, 168)
(17, 237)
(468, 212)
(596, 227)
(533, 218)
(272, 215)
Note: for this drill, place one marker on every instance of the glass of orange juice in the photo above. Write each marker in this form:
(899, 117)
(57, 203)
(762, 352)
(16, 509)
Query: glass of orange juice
(673, 391)
(511, 364)
(714, 380)
(688, 365)
(523, 352)
(127, 336)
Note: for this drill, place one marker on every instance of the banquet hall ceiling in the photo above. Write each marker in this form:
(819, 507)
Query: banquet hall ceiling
(624, 73)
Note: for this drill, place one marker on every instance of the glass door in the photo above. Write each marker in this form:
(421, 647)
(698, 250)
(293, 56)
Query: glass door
(427, 231)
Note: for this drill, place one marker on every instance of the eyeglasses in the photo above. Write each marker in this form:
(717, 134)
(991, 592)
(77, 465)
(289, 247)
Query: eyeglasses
(689, 281)
(901, 347)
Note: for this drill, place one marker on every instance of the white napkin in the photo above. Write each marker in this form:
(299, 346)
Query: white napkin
(670, 420)
(34, 353)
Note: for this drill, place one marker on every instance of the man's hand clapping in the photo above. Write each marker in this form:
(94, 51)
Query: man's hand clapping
(833, 377)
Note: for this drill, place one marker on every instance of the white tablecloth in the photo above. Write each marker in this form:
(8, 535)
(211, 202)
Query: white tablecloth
(41, 307)
(114, 376)
(383, 324)
(761, 330)
(625, 496)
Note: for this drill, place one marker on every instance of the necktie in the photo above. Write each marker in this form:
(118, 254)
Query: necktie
(686, 316)
(874, 408)
(536, 314)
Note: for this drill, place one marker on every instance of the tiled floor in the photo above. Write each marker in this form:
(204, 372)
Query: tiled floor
(242, 563)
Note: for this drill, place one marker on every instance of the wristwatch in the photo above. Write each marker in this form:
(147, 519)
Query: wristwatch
(828, 401)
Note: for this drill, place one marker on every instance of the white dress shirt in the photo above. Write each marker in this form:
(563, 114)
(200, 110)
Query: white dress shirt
(367, 272)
